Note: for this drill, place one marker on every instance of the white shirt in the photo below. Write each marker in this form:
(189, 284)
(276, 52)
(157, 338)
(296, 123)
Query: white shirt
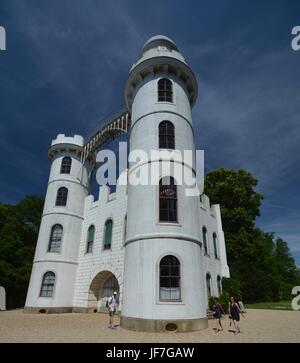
(112, 303)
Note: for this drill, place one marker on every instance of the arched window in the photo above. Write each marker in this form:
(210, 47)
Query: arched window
(219, 285)
(55, 238)
(215, 245)
(166, 135)
(48, 282)
(165, 90)
(208, 285)
(108, 234)
(61, 197)
(90, 239)
(169, 279)
(204, 237)
(66, 165)
(167, 200)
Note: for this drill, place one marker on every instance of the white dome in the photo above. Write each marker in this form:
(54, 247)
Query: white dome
(159, 39)
(159, 46)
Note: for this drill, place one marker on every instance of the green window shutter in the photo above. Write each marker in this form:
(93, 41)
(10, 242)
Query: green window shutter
(90, 239)
(204, 236)
(215, 245)
(108, 233)
(91, 234)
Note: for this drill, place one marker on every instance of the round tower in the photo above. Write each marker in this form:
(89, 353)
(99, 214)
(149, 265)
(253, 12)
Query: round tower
(54, 268)
(163, 278)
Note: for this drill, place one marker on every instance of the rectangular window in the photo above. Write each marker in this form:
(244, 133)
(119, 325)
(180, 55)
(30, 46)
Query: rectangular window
(108, 235)
(89, 248)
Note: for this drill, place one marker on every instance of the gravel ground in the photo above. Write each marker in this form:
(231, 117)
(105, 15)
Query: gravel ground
(258, 326)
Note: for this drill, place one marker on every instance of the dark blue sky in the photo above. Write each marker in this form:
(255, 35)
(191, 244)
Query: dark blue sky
(67, 61)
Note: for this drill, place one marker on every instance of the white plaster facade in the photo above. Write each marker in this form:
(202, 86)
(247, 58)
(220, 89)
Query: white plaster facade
(138, 244)
(2, 298)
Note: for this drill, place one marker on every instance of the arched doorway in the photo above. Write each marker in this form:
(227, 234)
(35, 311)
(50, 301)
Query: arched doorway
(102, 287)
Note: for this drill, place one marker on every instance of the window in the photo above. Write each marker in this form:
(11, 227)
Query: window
(165, 90)
(47, 287)
(166, 135)
(219, 285)
(62, 195)
(90, 239)
(66, 165)
(167, 200)
(125, 228)
(108, 234)
(169, 279)
(208, 285)
(204, 237)
(55, 238)
(215, 245)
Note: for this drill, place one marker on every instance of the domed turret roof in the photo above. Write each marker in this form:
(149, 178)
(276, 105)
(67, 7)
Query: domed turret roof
(162, 39)
(160, 55)
(159, 46)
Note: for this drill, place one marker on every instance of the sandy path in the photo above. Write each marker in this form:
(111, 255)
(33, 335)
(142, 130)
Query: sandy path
(258, 326)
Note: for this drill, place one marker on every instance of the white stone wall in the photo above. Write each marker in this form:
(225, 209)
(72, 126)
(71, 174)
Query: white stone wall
(109, 206)
(209, 218)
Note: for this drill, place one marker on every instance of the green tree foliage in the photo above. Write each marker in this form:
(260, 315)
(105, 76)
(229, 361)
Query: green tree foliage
(19, 225)
(286, 267)
(262, 268)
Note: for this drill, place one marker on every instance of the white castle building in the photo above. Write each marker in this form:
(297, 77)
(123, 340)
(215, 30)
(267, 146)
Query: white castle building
(164, 252)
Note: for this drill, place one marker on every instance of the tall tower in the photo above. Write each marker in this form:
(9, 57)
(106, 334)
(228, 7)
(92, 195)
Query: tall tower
(54, 269)
(163, 274)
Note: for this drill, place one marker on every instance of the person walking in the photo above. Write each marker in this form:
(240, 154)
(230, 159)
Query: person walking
(111, 306)
(229, 311)
(235, 312)
(218, 310)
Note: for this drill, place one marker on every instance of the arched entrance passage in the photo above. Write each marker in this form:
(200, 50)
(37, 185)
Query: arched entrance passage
(102, 286)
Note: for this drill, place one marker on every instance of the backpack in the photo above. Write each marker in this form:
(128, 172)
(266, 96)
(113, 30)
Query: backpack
(108, 302)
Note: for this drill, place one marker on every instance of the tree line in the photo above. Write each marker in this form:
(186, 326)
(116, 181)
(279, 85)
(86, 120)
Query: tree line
(261, 265)
(19, 226)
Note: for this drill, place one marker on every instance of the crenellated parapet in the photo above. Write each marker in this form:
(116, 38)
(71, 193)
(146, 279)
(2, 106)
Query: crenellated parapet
(67, 144)
(105, 196)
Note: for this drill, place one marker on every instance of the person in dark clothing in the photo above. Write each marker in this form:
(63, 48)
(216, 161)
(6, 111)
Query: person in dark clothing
(218, 310)
(235, 312)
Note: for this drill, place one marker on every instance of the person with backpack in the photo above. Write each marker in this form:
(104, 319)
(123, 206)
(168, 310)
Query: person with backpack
(218, 310)
(111, 306)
